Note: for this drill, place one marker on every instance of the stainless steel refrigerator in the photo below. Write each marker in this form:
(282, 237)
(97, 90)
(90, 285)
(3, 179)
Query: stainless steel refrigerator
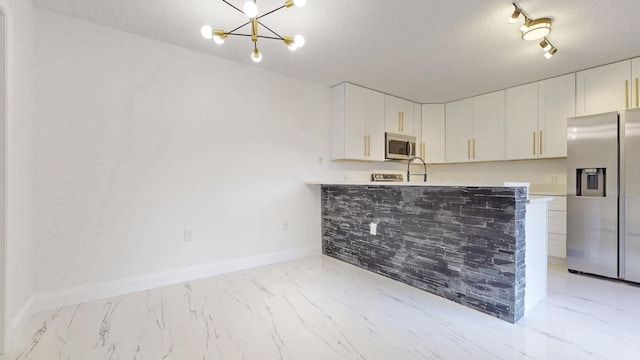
(603, 194)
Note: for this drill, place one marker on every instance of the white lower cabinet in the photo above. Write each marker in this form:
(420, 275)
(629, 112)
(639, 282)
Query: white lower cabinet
(557, 218)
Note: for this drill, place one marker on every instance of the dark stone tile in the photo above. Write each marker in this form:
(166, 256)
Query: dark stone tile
(465, 244)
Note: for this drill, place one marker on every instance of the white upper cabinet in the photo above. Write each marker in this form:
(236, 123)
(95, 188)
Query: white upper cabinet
(604, 89)
(417, 128)
(433, 134)
(475, 128)
(635, 83)
(522, 122)
(537, 118)
(487, 143)
(458, 130)
(557, 98)
(357, 123)
(398, 115)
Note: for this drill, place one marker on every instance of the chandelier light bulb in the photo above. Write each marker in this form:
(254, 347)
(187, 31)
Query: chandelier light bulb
(256, 56)
(218, 39)
(299, 41)
(299, 3)
(250, 9)
(207, 32)
(293, 47)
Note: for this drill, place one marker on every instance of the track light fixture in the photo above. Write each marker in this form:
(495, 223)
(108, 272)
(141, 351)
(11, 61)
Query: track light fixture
(548, 48)
(545, 44)
(550, 53)
(534, 29)
(516, 14)
(250, 9)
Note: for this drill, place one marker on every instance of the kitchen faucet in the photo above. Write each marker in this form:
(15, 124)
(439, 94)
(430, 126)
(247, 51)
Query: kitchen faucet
(409, 168)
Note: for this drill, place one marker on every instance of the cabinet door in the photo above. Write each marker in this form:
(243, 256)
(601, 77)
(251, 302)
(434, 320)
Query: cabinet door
(355, 130)
(522, 122)
(398, 115)
(433, 133)
(488, 127)
(635, 81)
(406, 108)
(458, 122)
(603, 89)
(417, 129)
(375, 125)
(557, 103)
(393, 114)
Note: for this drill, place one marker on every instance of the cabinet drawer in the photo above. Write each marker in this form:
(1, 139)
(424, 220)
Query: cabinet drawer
(558, 222)
(559, 203)
(557, 245)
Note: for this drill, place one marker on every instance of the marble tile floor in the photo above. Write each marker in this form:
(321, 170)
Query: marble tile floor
(321, 308)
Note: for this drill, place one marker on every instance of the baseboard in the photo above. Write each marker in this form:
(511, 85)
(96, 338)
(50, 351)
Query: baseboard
(72, 296)
(558, 261)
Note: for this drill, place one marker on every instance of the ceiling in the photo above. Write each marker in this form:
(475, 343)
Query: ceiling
(426, 51)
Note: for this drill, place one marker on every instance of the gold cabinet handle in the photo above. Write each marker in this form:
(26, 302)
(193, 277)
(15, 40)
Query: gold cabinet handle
(540, 145)
(626, 94)
(534, 143)
(474, 148)
(469, 149)
(365, 145)
(369, 144)
(636, 93)
(399, 121)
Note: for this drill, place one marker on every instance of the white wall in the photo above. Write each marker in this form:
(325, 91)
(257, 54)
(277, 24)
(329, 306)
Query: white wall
(138, 140)
(19, 286)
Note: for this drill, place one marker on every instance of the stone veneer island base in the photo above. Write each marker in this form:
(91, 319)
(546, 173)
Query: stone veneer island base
(466, 244)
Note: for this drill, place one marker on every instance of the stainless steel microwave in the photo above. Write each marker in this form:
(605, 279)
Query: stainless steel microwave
(399, 147)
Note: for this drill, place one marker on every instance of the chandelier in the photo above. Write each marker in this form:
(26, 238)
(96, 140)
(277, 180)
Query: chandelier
(250, 9)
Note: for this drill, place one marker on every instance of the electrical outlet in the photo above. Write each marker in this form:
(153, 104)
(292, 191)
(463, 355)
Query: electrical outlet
(320, 160)
(285, 225)
(554, 179)
(188, 235)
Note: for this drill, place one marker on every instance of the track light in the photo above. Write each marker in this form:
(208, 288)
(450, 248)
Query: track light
(536, 29)
(516, 14)
(545, 44)
(550, 53)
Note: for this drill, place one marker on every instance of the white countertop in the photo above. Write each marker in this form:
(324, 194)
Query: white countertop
(505, 184)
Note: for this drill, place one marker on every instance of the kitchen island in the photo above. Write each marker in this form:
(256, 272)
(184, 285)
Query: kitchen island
(481, 246)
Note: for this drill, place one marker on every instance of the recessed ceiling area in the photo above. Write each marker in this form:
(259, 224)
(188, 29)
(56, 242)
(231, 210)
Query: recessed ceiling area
(426, 51)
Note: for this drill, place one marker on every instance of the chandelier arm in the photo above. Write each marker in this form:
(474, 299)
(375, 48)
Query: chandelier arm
(273, 32)
(259, 36)
(268, 37)
(239, 27)
(233, 6)
(270, 12)
(247, 35)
